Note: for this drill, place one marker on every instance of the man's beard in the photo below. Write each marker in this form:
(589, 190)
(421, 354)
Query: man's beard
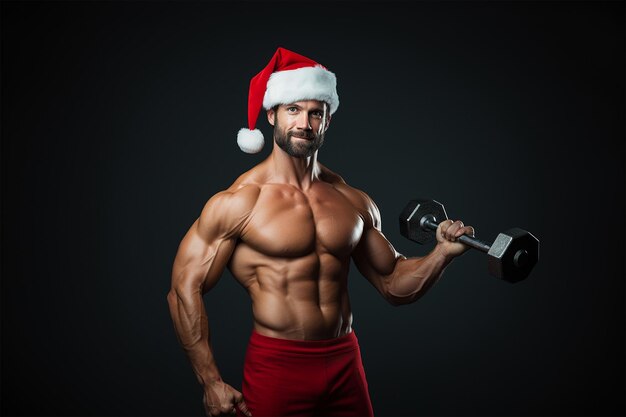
(299, 148)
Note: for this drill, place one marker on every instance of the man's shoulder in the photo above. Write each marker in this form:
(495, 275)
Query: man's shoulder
(226, 211)
(359, 199)
(230, 207)
(235, 198)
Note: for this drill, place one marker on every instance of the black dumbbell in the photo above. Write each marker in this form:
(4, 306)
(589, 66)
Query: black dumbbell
(512, 255)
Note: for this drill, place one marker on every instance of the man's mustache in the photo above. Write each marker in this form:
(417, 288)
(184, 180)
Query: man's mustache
(303, 135)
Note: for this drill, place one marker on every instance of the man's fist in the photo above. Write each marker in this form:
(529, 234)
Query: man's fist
(447, 233)
(220, 398)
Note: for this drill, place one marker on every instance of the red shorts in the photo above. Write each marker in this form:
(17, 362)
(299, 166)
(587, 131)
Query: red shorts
(305, 378)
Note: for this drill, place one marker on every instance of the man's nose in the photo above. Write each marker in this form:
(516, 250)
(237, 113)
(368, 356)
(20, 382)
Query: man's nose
(302, 122)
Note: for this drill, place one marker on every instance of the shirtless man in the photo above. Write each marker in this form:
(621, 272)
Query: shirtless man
(287, 229)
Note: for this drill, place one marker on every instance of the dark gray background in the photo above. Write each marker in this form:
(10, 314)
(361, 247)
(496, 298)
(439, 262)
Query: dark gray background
(119, 122)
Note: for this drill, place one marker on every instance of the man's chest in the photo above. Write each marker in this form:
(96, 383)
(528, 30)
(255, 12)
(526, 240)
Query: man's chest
(287, 222)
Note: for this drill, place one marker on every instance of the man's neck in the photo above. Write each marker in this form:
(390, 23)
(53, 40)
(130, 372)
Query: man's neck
(286, 169)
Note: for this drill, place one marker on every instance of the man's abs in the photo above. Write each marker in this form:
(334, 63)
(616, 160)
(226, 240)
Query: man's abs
(302, 299)
(288, 318)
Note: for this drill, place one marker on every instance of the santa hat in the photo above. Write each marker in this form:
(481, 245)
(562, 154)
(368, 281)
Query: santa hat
(287, 78)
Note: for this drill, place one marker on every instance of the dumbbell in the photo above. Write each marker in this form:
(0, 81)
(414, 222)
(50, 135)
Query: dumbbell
(511, 256)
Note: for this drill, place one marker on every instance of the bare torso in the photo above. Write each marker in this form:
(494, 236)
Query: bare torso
(293, 255)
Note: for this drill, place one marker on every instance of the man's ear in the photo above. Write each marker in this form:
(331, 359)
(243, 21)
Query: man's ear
(271, 114)
(327, 123)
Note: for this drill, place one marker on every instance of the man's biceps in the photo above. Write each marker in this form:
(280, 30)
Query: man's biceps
(193, 250)
(375, 251)
(361, 257)
(375, 243)
(206, 229)
(201, 236)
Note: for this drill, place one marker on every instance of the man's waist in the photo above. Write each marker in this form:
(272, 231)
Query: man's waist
(344, 343)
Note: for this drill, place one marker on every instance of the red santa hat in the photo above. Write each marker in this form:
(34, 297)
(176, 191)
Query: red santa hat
(287, 78)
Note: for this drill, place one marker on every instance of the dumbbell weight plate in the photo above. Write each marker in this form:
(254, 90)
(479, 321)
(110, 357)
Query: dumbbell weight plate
(513, 255)
(413, 213)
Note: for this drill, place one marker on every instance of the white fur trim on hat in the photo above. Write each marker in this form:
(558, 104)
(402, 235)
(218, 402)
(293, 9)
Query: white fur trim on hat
(307, 83)
(250, 141)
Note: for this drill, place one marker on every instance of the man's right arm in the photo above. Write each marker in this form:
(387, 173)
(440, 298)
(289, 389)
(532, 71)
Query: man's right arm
(202, 256)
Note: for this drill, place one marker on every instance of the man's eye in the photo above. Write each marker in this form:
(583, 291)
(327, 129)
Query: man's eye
(317, 114)
(292, 109)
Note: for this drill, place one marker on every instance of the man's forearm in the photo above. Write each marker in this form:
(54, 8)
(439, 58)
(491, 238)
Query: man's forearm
(412, 277)
(192, 329)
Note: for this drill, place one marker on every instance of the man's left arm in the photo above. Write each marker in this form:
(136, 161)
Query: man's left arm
(399, 279)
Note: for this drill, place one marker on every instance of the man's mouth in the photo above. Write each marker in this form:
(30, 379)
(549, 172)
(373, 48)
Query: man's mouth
(307, 137)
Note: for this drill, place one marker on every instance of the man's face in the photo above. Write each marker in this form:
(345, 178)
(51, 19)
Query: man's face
(299, 127)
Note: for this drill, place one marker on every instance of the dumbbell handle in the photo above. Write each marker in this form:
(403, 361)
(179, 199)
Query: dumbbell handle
(429, 222)
(519, 259)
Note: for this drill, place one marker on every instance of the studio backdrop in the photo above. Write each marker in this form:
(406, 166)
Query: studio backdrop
(119, 122)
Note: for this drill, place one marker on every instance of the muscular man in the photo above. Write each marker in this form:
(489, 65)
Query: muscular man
(287, 230)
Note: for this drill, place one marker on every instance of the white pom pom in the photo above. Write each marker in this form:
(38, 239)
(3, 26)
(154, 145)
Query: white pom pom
(250, 141)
